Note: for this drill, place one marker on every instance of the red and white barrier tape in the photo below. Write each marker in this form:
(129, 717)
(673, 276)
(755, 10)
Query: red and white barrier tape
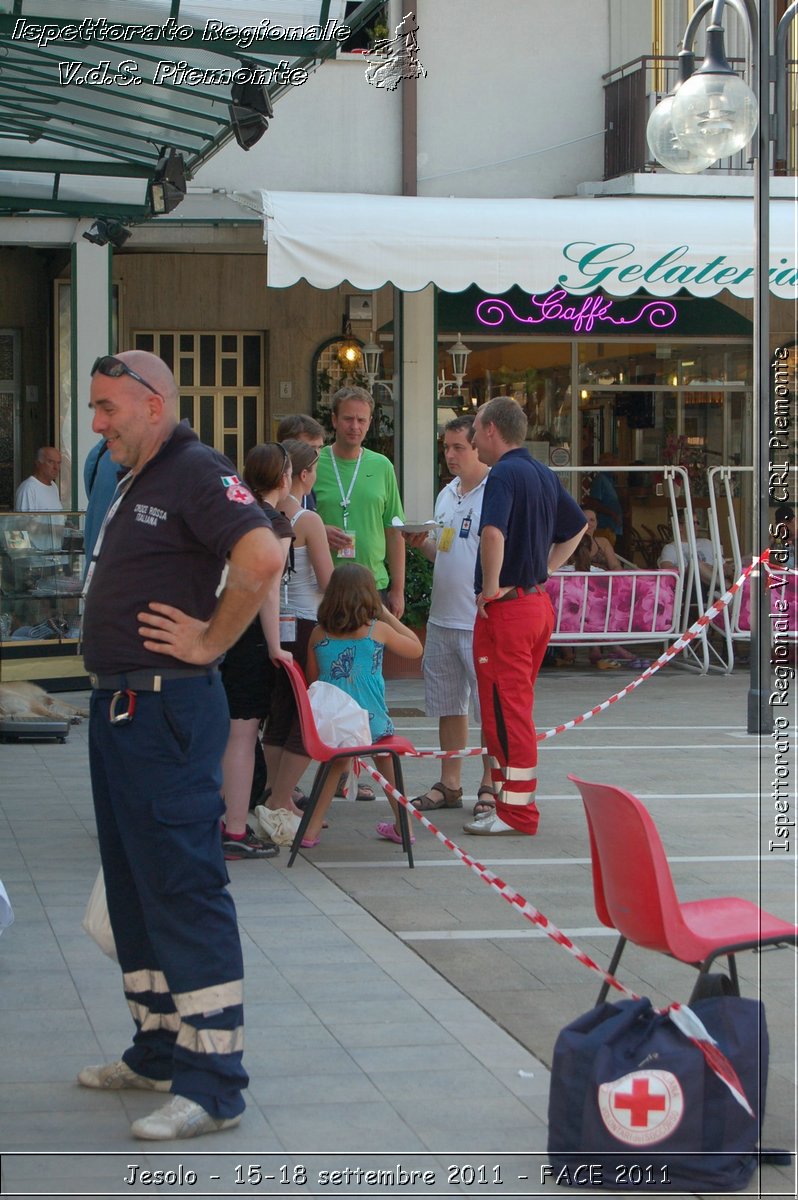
(527, 910)
(682, 1016)
(688, 1023)
(694, 631)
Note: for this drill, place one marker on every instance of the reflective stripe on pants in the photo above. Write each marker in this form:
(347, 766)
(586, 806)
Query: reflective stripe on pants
(509, 645)
(156, 784)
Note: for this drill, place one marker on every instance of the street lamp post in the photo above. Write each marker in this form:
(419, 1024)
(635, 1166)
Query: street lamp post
(713, 113)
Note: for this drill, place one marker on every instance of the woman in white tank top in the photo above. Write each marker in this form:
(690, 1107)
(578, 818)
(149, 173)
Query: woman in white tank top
(303, 594)
(311, 569)
(312, 565)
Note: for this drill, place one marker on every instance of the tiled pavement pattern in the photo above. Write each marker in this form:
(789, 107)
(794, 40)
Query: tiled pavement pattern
(390, 1013)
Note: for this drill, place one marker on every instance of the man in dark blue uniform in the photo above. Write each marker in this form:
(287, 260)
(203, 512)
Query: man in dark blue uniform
(529, 527)
(154, 631)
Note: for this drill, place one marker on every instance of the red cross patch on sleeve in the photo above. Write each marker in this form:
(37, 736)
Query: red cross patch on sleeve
(236, 491)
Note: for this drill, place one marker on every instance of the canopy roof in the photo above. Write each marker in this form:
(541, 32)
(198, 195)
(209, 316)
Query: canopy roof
(617, 243)
(83, 144)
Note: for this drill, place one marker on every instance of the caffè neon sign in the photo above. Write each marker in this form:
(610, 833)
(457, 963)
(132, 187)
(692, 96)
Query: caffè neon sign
(582, 314)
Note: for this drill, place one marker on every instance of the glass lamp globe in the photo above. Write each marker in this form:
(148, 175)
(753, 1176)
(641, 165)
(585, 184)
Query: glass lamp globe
(714, 114)
(372, 353)
(459, 353)
(667, 148)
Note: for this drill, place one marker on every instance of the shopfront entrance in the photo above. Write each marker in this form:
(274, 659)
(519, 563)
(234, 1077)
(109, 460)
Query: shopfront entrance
(675, 389)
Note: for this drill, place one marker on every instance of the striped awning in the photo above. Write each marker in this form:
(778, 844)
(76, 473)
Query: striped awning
(622, 245)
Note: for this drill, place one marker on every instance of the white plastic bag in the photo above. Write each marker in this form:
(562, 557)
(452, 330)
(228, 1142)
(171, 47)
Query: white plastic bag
(6, 911)
(340, 721)
(96, 921)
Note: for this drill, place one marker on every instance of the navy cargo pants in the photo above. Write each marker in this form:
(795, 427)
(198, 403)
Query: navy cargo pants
(156, 781)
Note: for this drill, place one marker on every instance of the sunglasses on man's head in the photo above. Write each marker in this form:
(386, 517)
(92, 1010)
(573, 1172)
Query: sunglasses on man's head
(114, 368)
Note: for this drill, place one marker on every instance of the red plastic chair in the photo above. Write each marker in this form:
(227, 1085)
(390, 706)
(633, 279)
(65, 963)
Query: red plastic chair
(326, 756)
(633, 892)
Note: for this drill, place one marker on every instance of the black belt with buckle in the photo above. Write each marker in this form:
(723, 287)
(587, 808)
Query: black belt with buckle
(515, 592)
(146, 681)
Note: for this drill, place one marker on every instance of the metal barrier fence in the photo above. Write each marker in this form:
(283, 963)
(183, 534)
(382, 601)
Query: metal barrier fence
(735, 626)
(688, 594)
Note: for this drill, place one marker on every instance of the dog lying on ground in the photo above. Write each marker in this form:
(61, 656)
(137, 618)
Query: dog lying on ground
(27, 700)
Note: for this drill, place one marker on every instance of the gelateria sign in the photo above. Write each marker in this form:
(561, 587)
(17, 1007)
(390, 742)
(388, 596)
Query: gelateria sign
(701, 246)
(614, 263)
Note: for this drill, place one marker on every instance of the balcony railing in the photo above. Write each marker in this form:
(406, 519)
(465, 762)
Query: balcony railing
(630, 94)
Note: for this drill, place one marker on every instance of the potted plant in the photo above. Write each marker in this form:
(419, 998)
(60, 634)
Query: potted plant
(418, 591)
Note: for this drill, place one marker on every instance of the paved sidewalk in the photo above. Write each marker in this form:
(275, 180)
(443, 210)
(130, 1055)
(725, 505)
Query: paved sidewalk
(355, 1044)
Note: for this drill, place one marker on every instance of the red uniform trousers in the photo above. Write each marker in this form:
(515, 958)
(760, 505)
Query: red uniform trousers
(509, 645)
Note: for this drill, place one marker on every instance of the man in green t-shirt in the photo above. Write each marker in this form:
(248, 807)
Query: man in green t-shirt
(357, 496)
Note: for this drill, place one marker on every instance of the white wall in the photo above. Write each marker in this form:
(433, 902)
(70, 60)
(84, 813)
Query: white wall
(631, 29)
(506, 80)
(334, 133)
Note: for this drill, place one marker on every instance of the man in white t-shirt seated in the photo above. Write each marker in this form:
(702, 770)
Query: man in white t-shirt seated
(704, 551)
(39, 493)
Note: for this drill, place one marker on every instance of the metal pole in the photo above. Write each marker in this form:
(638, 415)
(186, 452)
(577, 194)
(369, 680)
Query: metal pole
(760, 717)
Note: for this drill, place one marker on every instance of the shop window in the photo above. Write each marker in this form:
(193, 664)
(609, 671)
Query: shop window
(607, 364)
(658, 396)
(220, 383)
(536, 374)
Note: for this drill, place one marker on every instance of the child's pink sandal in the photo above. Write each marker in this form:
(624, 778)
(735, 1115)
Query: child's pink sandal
(387, 830)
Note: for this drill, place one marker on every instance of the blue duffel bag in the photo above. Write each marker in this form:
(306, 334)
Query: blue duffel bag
(634, 1096)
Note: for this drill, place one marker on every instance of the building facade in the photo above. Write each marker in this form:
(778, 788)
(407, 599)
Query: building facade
(504, 102)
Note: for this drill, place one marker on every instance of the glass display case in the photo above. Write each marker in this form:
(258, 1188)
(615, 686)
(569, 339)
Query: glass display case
(41, 586)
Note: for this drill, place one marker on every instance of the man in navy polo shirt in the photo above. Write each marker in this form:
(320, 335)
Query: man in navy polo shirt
(154, 631)
(529, 527)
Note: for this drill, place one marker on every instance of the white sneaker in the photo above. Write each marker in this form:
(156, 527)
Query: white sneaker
(278, 824)
(180, 1118)
(117, 1075)
(491, 826)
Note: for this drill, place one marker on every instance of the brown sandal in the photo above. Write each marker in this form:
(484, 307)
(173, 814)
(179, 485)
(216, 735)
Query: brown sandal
(483, 807)
(450, 798)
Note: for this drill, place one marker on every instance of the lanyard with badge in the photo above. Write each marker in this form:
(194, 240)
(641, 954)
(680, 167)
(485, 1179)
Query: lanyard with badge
(115, 716)
(288, 621)
(346, 551)
(287, 617)
(121, 491)
(446, 540)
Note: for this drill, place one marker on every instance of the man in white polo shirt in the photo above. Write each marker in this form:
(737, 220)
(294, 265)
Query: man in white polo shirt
(449, 676)
(39, 493)
(705, 554)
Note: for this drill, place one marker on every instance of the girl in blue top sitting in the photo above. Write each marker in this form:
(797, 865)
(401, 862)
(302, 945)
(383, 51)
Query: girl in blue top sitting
(346, 649)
